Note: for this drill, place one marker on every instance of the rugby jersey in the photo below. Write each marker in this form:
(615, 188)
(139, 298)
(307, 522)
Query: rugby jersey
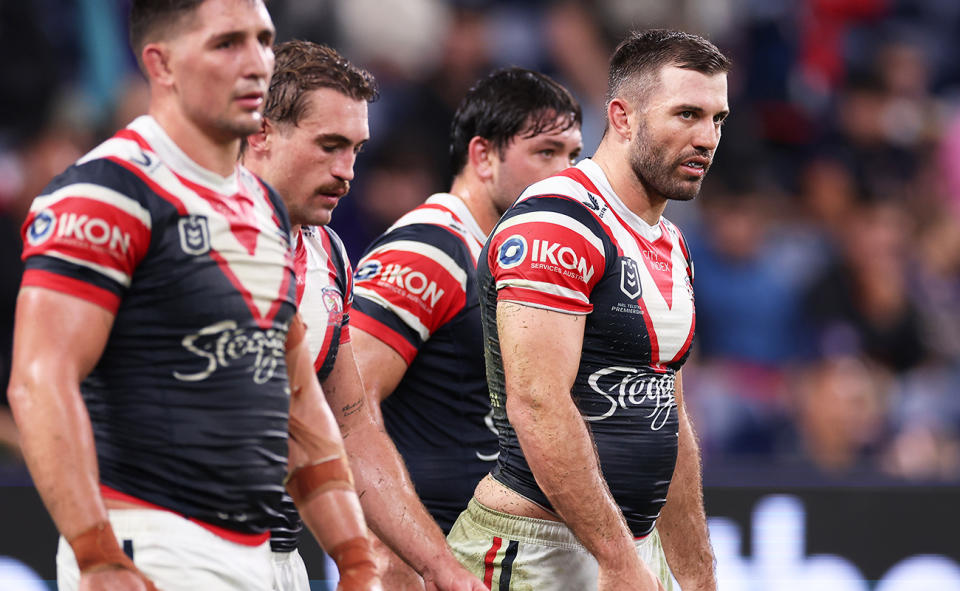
(189, 401)
(324, 297)
(416, 291)
(569, 244)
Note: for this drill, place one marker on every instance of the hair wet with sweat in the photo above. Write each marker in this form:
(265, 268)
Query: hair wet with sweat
(303, 66)
(510, 102)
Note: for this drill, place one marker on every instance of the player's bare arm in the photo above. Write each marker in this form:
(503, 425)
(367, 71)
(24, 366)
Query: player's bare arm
(541, 354)
(380, 365)
(55, 430)
(320, 480)
(683, 523)
(389, 501)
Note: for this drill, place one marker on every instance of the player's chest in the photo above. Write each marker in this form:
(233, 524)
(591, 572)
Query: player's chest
(237, 257)
(643, 306)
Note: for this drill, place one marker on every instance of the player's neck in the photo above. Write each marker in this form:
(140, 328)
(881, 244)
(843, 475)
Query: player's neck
(218, 155)
(615, 163)
(481, 206)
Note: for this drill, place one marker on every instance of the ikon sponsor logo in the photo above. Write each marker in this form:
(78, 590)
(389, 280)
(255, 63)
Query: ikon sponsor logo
(413, 282)
(368, 270)
(554, 253)
(78, 227)
(42, 227)
(224, 343)
(512, 252)
(625, 387)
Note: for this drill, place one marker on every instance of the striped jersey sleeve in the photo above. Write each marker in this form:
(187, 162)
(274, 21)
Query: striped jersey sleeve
(87, 232)
(324, 293)
(344, 270)
(410, 282)
(548, 252)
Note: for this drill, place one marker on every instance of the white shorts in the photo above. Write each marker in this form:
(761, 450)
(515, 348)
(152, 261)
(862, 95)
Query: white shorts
(512, 552)
(289, 572)
(179, 555)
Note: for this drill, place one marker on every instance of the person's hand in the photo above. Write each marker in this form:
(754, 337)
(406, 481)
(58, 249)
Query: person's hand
(451, 576)
(115, 579)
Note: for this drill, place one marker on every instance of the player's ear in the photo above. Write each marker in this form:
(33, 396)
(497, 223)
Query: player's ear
(480, 155)
(260, 141)
(619, 114)
(156, 62)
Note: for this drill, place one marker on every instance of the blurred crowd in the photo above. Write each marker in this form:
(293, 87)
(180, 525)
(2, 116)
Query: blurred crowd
(826, 240)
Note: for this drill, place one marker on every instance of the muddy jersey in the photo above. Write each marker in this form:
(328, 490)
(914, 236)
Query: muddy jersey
(189, 401)
(570, 245)
(324, 297)
(416, 291)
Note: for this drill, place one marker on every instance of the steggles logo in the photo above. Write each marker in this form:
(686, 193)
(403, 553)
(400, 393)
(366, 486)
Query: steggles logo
(633, 389)
(224, 343)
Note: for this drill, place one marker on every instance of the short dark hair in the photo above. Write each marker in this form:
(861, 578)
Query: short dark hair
(302, 66)
(147, 17)
(643, 53)
(509, 102)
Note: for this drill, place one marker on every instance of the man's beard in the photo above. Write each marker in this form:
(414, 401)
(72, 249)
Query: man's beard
(660, 177)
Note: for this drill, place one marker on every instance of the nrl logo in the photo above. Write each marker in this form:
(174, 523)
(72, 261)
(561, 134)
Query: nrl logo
(194, 234)
(630, 278)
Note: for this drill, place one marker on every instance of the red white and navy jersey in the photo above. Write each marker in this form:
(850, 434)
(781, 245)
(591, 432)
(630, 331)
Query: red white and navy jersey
(324, 297)
(324, 293)
(416, 291)
(570, 245)
(190, 399)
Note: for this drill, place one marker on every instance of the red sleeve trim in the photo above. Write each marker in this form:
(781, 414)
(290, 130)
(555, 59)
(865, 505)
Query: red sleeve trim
(75, 287)
(386, 334)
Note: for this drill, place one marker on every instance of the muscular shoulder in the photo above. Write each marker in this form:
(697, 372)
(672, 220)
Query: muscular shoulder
(555, 210)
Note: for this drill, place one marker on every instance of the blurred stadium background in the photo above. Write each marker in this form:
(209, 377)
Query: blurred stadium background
(825, 377)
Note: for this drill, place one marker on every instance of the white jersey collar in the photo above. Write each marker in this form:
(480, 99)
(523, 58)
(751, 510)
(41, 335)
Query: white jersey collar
(175, 158)
(459, 209)
(596, 174)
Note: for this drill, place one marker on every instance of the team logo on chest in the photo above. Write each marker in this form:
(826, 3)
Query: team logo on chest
(194, 234)
(630, 278)
(333, 303)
